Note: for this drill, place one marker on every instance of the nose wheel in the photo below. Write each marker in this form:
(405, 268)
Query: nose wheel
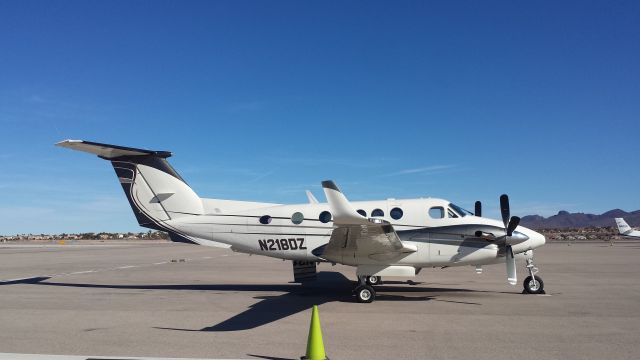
(365, 292)
(533, 284)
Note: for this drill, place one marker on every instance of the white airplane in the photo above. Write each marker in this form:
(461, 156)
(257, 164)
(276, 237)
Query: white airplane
(396, 238)
(625, 230)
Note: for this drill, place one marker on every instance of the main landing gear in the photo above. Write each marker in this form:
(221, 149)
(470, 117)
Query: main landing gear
(533, 284)
(374, 280)
(364, 290)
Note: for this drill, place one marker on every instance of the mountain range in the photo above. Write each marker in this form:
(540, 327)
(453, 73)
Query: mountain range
(565, 219)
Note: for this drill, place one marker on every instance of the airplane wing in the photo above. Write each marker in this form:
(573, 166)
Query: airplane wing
(355, 238)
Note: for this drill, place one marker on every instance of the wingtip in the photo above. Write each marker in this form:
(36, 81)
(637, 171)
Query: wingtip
(65, 142)
(329, 184)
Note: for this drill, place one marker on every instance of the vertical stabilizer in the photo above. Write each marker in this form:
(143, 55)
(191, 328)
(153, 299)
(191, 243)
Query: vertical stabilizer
(623, 227)
(154, 189)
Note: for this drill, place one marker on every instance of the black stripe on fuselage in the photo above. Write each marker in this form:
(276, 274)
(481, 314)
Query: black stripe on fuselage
(273, 234)
(474, 243)
(175, 237)
(127, 170)
(467, 230)
(155, 162)
(274, 217)
(269, 226)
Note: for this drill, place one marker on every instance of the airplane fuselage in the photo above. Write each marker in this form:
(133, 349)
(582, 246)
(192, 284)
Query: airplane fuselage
(443, 234)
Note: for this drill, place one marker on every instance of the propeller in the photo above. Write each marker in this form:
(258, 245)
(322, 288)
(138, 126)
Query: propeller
(505, 241)
(510, 224)
(504, 209)
(512, 277)
(513, 224)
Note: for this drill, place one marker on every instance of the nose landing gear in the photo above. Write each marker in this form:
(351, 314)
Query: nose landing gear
(533, 284)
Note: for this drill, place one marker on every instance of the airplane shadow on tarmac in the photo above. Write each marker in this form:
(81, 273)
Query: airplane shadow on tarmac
(329, 287)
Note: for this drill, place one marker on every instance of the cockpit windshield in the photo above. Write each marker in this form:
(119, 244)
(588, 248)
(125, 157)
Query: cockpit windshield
(460, 211)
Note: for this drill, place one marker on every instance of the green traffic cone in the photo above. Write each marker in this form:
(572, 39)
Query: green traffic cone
(315, 346)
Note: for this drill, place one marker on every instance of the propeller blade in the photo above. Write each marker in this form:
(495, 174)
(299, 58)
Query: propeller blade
(478, 210)
(513, 224)
(512, 277)
(504, 209)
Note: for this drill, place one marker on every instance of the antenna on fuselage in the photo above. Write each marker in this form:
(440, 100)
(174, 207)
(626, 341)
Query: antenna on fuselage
(478, 209)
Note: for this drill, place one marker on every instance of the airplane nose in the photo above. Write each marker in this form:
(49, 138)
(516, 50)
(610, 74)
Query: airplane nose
(536, 239)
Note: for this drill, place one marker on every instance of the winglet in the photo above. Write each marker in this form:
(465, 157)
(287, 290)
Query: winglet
(312, 199)
(343, 212)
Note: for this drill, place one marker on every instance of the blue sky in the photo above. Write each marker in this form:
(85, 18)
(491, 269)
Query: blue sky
(463, 100)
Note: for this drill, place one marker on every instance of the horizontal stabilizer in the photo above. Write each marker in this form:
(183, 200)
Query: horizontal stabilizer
(109, 151)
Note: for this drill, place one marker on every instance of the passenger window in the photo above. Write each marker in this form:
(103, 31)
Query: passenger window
(436, 212)
(297, 218)
(377, 213)
(396, 213)
(265, 219)
(362, 212)
(324, 217)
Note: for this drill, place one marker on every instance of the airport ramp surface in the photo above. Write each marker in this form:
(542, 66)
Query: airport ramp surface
(13, 356)
(185, 301)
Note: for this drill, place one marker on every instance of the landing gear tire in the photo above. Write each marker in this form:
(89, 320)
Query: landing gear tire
(365, 294)
(533, 285)
(374, 280)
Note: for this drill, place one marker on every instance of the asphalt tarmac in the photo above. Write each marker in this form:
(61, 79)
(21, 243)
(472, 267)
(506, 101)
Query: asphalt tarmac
(174, 300)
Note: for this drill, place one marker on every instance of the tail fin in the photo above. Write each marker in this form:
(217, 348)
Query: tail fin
(623, 227)
(154, 189)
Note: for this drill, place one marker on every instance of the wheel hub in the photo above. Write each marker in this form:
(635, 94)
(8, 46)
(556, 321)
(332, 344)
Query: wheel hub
(365, 294)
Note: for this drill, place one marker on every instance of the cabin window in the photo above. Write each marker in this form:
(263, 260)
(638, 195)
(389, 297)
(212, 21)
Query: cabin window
(436, 212)
(362, 212)
(396, 213)
(297, 218)
(265, 219)
(377, 213)
(460, 211)
(324, 217)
